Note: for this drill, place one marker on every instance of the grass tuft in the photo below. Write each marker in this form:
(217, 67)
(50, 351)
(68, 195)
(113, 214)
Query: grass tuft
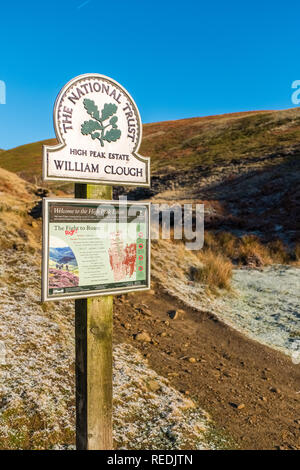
(216, 272)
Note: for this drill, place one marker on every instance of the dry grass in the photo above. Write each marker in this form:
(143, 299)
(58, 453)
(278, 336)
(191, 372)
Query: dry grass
(224, 243)
(278, 252)
(212, 266)
(207, 268)
(249, 249)
(297, 253)
(17, 229)
(216, 272)
(252, 252)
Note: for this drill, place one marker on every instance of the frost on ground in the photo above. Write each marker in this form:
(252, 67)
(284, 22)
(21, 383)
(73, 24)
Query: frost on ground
(37, 408)
(148, 412)
(266, 306)
(36, 381)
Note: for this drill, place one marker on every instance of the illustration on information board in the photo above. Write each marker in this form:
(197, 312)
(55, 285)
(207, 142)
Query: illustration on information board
(122, 259)
(63, 267)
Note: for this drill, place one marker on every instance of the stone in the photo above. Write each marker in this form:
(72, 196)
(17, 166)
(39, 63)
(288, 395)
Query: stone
(275, 390)
(238, 406)
(143, 336)
(192, 360)
(241, 406)
(146, 312)
(170, 435)
(143, 309)
(37, 210)
(173, 314)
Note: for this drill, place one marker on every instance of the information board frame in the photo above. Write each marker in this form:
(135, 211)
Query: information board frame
(95, 292)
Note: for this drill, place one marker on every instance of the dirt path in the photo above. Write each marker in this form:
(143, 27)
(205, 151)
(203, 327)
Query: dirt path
(230, 370)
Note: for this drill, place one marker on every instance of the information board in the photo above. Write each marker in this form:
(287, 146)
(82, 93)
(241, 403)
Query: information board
(93, 248)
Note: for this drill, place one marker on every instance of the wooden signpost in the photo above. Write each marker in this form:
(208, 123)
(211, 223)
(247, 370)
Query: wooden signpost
(93, 362)
(99, 131)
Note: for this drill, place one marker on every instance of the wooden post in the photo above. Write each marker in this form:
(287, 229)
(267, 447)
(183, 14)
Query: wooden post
(93, 337)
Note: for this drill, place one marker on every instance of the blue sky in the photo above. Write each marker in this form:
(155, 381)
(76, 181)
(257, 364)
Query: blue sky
(177, 59)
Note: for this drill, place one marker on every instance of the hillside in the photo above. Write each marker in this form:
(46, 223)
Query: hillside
(192, 143)
(25, 160)
(244, 167)
(236, 326)
(228, 161)
(224, 139)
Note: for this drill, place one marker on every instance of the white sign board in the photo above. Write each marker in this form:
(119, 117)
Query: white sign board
(99, 130)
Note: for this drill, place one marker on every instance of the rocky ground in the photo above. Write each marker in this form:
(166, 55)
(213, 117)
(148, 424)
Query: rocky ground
(251, 391)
